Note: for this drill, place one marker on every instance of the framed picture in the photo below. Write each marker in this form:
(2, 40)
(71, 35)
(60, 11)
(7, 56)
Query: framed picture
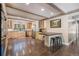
(55, 23)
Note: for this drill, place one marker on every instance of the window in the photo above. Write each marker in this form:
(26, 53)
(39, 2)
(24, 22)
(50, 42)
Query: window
(19, 27)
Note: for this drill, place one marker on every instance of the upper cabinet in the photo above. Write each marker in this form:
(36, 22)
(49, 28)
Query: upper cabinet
(29, 25)
(41, 24)
(9, 24)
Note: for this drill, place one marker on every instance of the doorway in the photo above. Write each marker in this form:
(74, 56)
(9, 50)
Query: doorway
(73, 30)
(77, 31)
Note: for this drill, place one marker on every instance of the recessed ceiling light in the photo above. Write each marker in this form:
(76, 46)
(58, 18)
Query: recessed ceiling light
(27, 3)
(52, 13)
(42, 9)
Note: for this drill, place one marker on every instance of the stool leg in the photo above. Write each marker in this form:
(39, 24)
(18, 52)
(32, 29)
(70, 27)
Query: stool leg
(61, 41)
(53, 45)
(50, 45)
(56, 44)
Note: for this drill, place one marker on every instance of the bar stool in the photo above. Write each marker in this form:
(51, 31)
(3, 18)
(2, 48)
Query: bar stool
(56, 43)
(59, 42)
(53, 44)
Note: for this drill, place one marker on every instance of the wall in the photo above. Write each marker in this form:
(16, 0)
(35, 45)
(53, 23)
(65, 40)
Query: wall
(64, 26)
(72, 30)
(72, 26)
(63, 29)
(36, 26)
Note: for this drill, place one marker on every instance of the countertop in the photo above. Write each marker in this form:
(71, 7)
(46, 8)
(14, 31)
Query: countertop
(50, 33)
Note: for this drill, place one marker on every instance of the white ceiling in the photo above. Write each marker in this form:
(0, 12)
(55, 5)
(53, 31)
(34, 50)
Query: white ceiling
(33, 10)
(14, 12)
(67, 7)
(36, 8)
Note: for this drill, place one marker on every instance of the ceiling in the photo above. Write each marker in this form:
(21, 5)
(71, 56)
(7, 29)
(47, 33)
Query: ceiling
(67, 7)
(39, 11)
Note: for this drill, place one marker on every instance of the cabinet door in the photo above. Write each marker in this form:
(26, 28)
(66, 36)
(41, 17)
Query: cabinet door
(41, 24)
(9, 24)
(29, 33)
(29, 25)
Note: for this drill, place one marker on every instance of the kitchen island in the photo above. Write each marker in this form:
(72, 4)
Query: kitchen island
(49, 36)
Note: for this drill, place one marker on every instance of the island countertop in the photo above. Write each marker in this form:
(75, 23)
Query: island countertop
(50, 33)
(48, 36)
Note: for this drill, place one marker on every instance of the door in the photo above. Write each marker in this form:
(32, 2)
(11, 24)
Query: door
(78, 30)
(72, 31)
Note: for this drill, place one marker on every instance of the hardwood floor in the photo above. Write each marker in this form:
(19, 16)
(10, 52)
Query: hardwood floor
(32, 47)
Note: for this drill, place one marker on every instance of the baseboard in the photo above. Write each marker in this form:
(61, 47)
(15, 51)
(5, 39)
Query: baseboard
(64, 43)
(67, 44)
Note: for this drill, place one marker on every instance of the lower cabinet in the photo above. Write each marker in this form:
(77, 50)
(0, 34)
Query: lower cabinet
(16, 34)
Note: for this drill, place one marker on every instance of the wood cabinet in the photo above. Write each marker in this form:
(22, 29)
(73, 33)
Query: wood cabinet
(39, 36)
(29, 29)
(29, 25)
(9, 24)
(14, 34)
(41, 24)
(29, 33)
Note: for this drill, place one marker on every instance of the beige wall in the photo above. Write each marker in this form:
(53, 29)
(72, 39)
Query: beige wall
(64, 26)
